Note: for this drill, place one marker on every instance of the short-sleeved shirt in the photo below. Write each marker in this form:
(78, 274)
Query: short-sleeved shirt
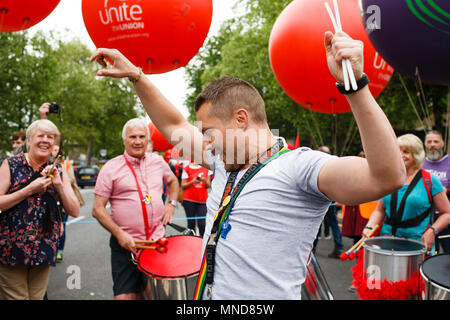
(117, 183)
(416, 203)
(274, 222)
(441, 169)
(197, 192)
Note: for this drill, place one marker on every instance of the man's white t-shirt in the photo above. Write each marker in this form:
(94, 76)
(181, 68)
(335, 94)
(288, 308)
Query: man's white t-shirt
(274, 222)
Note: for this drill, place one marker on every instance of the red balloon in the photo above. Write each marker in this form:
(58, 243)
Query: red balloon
(156, 35)
(298, 60)
(159, 142)
(173, 153)
(16, 15)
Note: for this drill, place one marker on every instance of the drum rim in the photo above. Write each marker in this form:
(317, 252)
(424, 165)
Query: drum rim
(427, 278)
(395, 253)
(156, 276)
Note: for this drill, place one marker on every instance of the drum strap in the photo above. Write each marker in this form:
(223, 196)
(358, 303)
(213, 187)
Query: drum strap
(395, 219)
(141, 198)
(229, 197)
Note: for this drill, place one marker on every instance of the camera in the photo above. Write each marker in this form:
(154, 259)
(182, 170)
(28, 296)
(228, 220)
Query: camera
(54, 108)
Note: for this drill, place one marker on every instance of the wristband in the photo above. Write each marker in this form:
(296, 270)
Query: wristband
(364, 81)
(367, 227)
(434, 231)
(173, 203)
(136, 79)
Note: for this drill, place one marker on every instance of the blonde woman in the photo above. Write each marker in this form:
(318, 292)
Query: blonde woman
(409, 216)
(31, 192)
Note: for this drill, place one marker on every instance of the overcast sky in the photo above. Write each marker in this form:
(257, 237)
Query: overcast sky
(67, 15)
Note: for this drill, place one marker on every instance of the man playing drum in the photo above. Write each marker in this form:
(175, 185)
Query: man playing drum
(132, 184)
(262, 246)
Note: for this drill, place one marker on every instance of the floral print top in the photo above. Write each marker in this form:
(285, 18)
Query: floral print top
(23, 239)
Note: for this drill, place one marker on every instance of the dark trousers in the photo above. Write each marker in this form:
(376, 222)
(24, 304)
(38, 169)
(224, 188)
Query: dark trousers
(62, 239)
(330, 219)
(196, 213)
(444, 244)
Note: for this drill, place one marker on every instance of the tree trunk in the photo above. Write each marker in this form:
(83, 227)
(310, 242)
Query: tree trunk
(89, 152)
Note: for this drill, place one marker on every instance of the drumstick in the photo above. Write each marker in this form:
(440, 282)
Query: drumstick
(160, 249)
(357, 244)
(347, 70)
(351, 253)
(347, 63)
(373, 231)
(146, 247)
(49, 174)
(161, 241)
(346, 254)
(354, 252)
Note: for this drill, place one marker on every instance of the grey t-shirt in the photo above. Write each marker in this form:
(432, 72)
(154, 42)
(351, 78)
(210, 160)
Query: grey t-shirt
(274, 222)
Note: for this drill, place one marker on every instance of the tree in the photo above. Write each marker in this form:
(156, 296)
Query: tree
(41, 69)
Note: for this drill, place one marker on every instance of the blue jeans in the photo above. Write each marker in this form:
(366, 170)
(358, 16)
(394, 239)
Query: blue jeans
(331, 215)
(62, 239)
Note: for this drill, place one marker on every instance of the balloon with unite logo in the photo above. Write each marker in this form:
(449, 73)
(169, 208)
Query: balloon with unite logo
(17, 15)
(157, 35)
(298, 59)
(411, 35)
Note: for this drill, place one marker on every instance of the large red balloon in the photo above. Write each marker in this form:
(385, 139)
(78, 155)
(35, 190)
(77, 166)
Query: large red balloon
(159, 142)
(157, 35)
(298, 60)
(16, 15)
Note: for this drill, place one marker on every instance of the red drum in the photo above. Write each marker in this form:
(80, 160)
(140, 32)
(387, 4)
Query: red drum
(173, 274)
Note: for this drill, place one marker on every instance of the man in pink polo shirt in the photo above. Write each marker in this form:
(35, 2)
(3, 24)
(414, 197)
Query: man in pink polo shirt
(132, 183)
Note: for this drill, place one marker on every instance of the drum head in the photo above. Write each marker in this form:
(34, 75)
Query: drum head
(182, 259)
(437, 269)
(393, 245)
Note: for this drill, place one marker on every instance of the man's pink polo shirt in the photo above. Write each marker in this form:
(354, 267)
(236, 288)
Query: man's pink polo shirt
(117, 183)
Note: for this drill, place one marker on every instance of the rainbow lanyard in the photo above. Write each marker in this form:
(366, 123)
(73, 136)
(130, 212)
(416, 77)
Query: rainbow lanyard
(220, 225)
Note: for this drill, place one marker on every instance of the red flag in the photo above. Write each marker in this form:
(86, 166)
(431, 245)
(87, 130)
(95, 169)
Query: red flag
(297, 142)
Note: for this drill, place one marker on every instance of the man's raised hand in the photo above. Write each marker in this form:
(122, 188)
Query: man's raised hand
(340, 46)
(121, 67)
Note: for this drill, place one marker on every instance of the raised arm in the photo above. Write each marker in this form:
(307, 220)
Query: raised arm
(166, 117)
(354, 180)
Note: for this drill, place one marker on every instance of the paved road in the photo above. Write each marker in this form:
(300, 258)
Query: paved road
(85, 273)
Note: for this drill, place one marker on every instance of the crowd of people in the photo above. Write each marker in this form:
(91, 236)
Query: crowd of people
(244, 195)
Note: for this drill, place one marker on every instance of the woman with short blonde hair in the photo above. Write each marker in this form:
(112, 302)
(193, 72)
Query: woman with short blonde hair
(31, 193)
(413, 222)
(412, 143)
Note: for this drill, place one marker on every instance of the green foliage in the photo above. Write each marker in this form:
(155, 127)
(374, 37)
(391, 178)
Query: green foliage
(241, 49)
(42, 69)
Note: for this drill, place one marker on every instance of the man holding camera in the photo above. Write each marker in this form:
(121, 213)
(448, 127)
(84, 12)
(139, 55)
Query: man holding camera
(47, 108)
(19, 143)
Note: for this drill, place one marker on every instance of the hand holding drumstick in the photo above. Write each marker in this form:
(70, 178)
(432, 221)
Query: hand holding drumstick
(161, 244)
(351, 253)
